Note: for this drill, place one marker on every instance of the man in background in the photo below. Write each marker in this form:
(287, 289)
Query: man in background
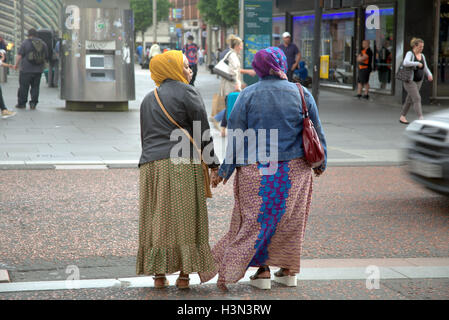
(292, 53)
(139, 51)
(2, 44)
(365, 60)
(33, 54)
(191, 52)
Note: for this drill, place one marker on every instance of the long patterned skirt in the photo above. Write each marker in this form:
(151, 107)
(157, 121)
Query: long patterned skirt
(173, 221)
(268, 221)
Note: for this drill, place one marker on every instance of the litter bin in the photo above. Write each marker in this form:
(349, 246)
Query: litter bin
(3, 74)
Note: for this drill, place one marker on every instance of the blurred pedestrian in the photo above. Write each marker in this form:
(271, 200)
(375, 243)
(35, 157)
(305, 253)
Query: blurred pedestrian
(292, 53)
(384, 59)
(139, 52)
(53, 68)
(270, 211)
(173, 223)
(200, 57)
(415, 59)
(154, 50)
(191, 52)
(2, 43)
(228, 86)
(32, 55)
(5, 112)
(365, 60)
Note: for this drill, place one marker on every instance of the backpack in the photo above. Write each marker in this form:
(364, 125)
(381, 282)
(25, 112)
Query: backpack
(37, 55)
(191, 51)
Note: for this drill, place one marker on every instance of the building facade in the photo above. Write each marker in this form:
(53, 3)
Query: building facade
(38, 14)
(185, 20)
(388, 24)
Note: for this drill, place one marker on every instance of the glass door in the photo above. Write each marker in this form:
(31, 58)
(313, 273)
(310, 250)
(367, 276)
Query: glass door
(382, 45)
(337, 41)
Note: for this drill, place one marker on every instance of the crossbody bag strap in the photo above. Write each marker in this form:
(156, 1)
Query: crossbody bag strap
(303, 100)
(175, 123)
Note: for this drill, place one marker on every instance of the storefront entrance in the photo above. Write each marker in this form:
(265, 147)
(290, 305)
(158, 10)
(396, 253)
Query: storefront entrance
(382, 45)
(337, 42)
(443, 52)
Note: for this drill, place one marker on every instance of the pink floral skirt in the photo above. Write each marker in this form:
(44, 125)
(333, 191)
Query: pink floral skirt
(268, 221)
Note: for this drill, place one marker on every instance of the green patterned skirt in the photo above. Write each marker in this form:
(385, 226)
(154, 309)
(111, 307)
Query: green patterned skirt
(173, 221)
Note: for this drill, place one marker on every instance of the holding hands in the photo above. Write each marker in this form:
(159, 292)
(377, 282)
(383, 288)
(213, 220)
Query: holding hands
(215, 179)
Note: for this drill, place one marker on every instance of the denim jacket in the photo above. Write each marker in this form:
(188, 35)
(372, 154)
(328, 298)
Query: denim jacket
(271, 103)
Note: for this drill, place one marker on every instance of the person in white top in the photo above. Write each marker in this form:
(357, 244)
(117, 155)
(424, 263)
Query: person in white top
(5, 112)
(415, 58)
(226, 86)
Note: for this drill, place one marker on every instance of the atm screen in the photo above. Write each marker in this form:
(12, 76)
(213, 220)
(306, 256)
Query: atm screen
(97, 62)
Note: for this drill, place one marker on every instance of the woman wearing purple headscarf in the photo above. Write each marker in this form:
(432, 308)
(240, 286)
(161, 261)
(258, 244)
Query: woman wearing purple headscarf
(273, 181)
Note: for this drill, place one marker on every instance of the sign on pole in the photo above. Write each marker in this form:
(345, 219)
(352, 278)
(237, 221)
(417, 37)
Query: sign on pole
(257, 30)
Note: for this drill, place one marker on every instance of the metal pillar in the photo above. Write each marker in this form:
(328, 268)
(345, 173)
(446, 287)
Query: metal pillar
(316, 50)
(154, 21)
(22, 21)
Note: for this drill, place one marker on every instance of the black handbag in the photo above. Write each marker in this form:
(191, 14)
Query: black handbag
(404, 73)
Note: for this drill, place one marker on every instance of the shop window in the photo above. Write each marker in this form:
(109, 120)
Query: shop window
(381, 43)
(337, 39)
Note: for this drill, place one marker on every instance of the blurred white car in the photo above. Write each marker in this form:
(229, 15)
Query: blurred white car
(427, 151)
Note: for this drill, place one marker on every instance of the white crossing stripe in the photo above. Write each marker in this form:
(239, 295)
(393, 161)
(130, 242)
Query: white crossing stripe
(306, 274)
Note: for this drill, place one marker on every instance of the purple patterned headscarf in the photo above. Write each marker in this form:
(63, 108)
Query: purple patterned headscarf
(270, 61)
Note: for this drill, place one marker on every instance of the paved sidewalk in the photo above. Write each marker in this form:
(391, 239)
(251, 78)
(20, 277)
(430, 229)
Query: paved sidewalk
(54, 219)
(358, 132)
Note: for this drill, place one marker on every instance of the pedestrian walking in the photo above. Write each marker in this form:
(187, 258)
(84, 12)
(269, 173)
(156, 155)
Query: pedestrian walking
(201, 56)
(53, 68)
(292, 53)
(191, 52)
(384, 58)
(173, 220)
(33, 54)
(270, 211)
(5, 112)
(365, 60)
(228, 86)
(415, 59)
(139, 51)
(2, 43)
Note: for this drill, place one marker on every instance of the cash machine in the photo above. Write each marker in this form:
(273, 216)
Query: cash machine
(96, 55)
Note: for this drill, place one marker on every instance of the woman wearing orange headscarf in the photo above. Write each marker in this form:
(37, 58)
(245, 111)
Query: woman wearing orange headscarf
(173, 220)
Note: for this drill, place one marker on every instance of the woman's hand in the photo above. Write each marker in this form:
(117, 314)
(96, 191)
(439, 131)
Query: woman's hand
(318, 171)
(420, 65)
(215, 178)
(252, 73)
(430, 78)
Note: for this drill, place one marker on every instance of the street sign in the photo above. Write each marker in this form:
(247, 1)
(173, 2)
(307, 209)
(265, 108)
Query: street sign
(257, 28)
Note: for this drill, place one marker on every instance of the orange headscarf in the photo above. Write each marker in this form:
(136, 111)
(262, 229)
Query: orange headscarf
(167, 65)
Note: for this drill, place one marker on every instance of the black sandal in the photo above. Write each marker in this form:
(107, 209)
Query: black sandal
(285, 279)
(261, 282)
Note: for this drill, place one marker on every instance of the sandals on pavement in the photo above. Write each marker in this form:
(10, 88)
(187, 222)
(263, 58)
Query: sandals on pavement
(283, 277)
(158, 284)
(260, 282)
(182, 286)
